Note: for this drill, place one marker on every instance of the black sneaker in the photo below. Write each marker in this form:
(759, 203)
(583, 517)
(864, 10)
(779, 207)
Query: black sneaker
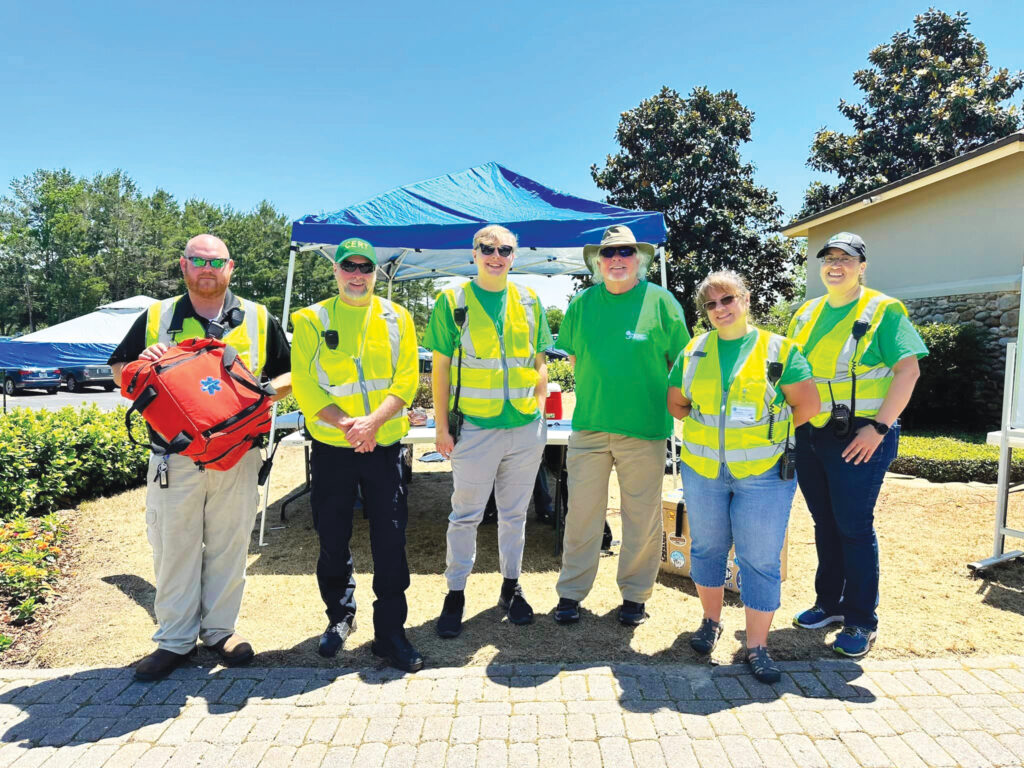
(567, 611)
(449, 623)
(398, 651)
(334, 637)
(516, 607)
(706, 636)
(632, 614)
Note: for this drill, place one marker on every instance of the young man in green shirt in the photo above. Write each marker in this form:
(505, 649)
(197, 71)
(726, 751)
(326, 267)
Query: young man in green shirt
(488, 337)
(622, 335)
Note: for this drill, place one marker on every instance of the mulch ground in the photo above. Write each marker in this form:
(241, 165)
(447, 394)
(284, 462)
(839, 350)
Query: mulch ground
(930, 604)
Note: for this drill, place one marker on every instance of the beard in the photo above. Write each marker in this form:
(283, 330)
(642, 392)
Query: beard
(207, 287)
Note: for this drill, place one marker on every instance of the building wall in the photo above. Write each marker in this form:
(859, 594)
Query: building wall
(959, 236)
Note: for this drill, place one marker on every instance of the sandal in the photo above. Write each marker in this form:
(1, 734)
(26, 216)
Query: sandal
(765, 670)
(706, 636)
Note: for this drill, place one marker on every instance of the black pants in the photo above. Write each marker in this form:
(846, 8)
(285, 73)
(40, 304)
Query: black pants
(336, 473)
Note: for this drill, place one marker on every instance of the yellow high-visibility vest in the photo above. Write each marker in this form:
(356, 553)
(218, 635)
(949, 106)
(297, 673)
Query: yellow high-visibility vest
(496, 368)
(837, 354)
(357, 385)
(732, 427)
(249, 338)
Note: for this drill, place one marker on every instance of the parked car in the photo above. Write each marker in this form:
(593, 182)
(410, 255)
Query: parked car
(17, 379)
(77, 376)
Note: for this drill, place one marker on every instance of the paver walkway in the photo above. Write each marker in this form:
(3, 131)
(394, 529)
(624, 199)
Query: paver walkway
(936, 712)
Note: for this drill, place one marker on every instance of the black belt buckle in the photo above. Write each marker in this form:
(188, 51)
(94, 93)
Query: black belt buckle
(842, 420)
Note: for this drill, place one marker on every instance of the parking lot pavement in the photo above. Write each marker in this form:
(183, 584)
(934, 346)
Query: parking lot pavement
(107, 401)
(936, 712)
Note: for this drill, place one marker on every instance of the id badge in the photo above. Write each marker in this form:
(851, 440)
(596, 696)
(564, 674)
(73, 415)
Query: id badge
(743, 412)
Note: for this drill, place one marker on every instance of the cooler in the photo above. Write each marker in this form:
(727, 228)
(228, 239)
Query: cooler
(553, 405)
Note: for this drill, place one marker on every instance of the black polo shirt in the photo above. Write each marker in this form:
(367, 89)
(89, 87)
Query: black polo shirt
(279, 356)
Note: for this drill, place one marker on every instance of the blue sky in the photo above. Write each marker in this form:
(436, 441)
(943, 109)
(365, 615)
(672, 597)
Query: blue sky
(325, 104)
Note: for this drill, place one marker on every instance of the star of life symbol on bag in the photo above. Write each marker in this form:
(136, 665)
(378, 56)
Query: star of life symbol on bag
(210, 385)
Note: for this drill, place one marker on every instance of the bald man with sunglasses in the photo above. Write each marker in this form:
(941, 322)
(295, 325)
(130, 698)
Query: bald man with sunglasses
(199, 524)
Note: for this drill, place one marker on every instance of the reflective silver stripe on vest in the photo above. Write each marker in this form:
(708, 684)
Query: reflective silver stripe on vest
(880, 372)
(805, 317)
(498, 393)
(846, 353)
(714, 420)
(163, 334)
(460, 303)
(252, 330)
(363, 385)
(737, 454)
(481, 364)
(531, 321)
(691, 369)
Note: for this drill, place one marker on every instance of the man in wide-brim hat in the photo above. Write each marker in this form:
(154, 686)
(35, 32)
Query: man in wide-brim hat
(622, 335)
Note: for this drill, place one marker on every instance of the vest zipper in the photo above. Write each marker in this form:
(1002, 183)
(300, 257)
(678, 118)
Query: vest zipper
(362, 384)
(721, 429)
(504, 365)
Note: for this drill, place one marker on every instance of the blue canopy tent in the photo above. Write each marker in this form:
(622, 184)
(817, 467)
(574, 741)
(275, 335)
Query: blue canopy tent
(425, 230)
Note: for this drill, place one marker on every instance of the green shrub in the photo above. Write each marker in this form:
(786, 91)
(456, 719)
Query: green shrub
(52, 459)
(952, 458)
(562, 372)
(948, 394)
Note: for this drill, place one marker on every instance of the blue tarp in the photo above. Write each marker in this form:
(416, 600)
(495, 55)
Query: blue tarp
(41, 354)
(426, 229)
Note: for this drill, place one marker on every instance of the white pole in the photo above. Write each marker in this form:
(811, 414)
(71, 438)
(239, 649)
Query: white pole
(664, 271)
(273, 413)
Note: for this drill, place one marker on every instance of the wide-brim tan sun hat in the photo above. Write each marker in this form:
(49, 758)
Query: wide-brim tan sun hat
(615, 236)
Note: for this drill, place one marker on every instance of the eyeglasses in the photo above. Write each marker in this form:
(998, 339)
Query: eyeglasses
(365, 267)
(503, 250)
(625, 252)
(215, 263)
(843, 261)
(725, 301)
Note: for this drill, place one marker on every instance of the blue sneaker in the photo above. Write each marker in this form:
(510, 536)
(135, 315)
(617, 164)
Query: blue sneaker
(816, 618)
(854, 641)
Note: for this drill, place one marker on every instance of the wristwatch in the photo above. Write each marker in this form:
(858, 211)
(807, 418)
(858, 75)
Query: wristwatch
(880, 428)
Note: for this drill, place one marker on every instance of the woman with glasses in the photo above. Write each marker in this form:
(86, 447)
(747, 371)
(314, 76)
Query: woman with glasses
(863, 351)
(739, 392)
(622, 335)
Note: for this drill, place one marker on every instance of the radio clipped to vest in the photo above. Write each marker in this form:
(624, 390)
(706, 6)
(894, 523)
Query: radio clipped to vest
(199, 400)
(842, 414)
(455, 416)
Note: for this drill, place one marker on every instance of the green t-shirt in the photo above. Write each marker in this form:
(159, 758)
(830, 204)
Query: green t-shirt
(624, 345)
(730, 350)
(895, 339)
(442, 335)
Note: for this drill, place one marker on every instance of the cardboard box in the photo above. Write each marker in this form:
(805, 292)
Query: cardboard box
(675, 542)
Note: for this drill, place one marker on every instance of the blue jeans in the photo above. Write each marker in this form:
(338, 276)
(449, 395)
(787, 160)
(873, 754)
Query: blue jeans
(753, 512)
(841, 497)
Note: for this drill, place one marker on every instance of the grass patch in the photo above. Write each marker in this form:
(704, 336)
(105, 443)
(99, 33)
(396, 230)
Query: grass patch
(957, 457)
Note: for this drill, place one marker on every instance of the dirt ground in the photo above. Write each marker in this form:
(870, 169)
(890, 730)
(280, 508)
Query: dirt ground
(930, 604)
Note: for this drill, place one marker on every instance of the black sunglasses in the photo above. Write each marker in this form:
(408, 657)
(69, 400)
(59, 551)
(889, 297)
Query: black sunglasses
(366, 267)
(625, 252)
(503, 250)
(725, 301)
(215, 263)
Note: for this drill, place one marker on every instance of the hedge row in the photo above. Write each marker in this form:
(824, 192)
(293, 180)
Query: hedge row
(53, 459)
(952, 458)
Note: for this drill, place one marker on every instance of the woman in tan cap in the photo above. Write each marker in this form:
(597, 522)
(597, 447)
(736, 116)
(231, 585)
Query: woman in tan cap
(622, 335)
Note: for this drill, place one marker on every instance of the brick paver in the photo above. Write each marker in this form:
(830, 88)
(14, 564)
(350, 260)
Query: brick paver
(929, 712)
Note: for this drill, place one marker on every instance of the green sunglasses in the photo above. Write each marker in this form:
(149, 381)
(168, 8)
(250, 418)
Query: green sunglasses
(215, 263)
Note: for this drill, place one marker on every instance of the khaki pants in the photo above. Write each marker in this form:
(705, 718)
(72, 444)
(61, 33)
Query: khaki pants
(199, 528)
(640, 466)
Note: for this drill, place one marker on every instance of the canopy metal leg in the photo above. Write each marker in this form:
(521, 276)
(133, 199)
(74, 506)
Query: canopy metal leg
(664, 270)
(271, 445)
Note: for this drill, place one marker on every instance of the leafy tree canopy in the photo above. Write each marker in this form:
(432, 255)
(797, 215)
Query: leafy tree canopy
(930, 95)
(681, 156)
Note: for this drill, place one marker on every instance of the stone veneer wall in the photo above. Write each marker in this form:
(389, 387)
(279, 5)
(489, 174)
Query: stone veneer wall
(996, 314)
